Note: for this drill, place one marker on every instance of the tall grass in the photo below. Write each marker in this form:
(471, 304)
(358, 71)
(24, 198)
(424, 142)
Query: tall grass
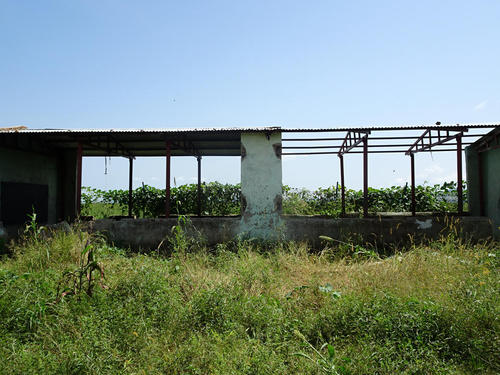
(240, 308)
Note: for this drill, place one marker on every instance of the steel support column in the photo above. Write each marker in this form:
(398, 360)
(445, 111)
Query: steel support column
(79, 155)
(130, 175)
(167, 187)
(342, 183)
(459, 175)
(365, 177)
(198, 158)
(412, 172)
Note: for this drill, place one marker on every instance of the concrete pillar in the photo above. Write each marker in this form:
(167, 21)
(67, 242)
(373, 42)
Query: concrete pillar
(261, 185)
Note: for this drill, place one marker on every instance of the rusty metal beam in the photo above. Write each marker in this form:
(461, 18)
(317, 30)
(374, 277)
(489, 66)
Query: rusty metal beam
(342, 183)
(425, 141)
(167, 187)
(351, 140)
(489, 144)
(388, 138)
(119, 145)
(130, 175)
(412, 172)
(91, 143)
(360, 146)
(365, 176)
(459, 175)
(360, 152)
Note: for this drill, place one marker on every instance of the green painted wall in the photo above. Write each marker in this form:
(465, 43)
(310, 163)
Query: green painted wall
(490, 162)
(472, 170)
(261, 187)
(491, 173)
(58, 171)
(33, 168)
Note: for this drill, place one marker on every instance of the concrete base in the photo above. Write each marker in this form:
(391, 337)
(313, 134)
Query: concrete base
(147, 234)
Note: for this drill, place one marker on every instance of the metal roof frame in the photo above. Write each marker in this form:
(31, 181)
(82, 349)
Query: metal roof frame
(226, 141)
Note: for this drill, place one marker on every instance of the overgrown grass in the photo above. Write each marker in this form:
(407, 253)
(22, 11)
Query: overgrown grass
(244, 309)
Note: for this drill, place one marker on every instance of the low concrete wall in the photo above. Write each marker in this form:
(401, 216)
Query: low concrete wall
(385, 230)
(148, 233)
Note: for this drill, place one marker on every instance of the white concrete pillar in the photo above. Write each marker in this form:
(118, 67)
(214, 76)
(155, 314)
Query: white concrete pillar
(261, 185)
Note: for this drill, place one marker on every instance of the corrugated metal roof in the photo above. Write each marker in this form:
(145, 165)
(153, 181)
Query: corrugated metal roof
(150, 130)
(190, 141)
(134, 142)
(487, 141)
(387, 128)
(251, 129)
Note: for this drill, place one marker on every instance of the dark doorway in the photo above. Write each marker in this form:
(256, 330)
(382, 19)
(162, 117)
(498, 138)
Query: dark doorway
(21, 199)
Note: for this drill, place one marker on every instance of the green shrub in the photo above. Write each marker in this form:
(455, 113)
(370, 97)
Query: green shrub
(224, 199)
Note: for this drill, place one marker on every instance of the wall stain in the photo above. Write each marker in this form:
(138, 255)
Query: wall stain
(277, 150)
(278, 203)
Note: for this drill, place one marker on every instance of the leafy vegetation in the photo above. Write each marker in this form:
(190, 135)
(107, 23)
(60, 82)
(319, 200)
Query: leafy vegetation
(224, 199)
(327, 201)
(244, 308)
(218, 200)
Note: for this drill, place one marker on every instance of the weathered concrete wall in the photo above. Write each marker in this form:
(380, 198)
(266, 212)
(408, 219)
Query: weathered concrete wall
(148, 233)
(490, 163)
(260, 184)
(34, 168)
(385, 230)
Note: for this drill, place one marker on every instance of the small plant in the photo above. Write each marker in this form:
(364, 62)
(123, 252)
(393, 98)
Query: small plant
(327, 364)
(355, 251)
(183, 238)
(32, 228)
(82, 279)
(328, 289)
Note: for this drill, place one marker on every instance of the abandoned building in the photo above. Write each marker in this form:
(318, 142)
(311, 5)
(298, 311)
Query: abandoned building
(41, 170)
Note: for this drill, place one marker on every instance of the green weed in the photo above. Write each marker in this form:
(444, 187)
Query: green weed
(238, 309)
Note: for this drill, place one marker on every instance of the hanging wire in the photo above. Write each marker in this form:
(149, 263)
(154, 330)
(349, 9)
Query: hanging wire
(107, 160)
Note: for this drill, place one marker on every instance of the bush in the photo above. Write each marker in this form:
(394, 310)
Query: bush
(224, 199)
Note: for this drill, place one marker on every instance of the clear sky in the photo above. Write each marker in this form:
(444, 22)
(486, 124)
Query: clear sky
(123, 64)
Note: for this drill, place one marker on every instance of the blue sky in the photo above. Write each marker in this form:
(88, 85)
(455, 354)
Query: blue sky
(122, 64)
